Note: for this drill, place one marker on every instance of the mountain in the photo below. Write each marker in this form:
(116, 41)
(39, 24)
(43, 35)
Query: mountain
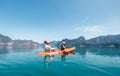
(80, 41)
(108, 41)
(6, 41)
(101, 41)
(25, 44)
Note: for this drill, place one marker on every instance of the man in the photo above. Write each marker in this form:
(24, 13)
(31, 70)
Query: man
(48, 48)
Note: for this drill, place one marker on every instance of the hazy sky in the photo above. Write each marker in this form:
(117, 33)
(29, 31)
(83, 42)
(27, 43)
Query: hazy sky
(40, 20)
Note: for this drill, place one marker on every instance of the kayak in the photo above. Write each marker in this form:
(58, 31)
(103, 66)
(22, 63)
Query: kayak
(56, 52)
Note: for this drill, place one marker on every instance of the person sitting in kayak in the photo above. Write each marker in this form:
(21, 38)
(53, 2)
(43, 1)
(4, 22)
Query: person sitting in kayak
(48, 48)
(47, 58)
(63, 47)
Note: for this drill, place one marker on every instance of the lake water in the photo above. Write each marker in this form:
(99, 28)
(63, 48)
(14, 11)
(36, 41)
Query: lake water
(86, 62)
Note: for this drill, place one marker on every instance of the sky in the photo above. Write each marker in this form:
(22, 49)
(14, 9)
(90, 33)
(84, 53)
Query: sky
(40, 20)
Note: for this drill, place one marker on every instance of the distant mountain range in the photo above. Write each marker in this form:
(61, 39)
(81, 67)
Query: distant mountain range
(101, 41)
(7, 42)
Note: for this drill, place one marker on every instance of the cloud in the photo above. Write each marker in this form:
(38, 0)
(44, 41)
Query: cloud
(97, 29)
(90, 29)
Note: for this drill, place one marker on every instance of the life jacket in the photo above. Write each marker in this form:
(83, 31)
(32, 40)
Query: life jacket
(62, 47)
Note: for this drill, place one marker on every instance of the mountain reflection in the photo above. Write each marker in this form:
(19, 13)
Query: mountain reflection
(8, 49)
(99, 51)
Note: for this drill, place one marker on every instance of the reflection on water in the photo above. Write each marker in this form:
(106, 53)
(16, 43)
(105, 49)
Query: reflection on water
(99, 51)
(46, 61)
(86, 62)
(83, 52)
(17, 47)
(9, 49)
(63, 58)
(6, 47)
(87, 52)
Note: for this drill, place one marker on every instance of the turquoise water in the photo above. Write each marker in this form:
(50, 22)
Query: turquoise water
(86, 62)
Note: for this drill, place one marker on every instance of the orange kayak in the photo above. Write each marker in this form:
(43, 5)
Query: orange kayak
(56, 52)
